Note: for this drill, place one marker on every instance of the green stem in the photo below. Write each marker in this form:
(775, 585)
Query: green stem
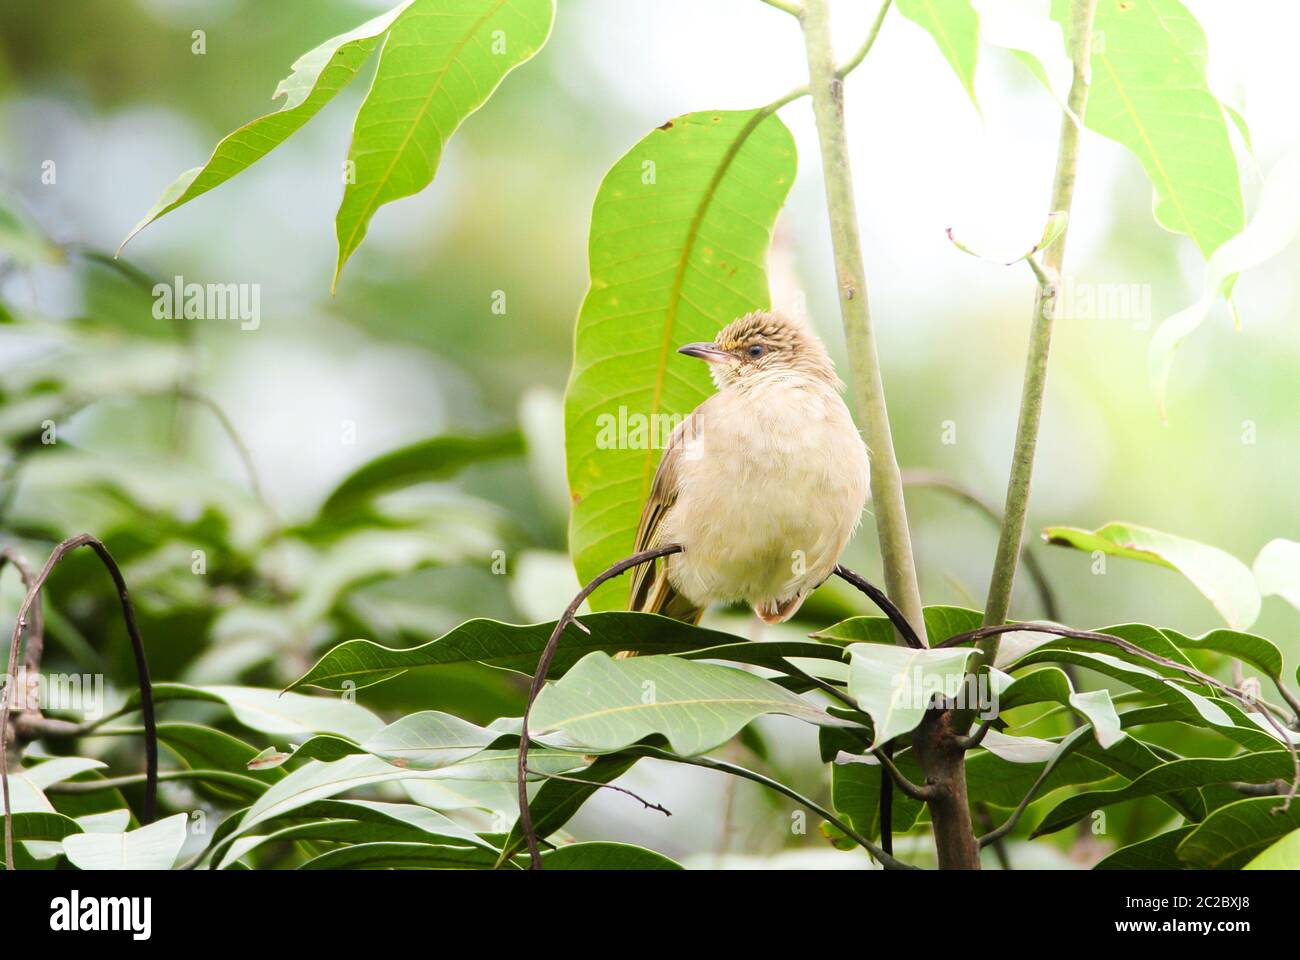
(827, 88)
(1040, 336)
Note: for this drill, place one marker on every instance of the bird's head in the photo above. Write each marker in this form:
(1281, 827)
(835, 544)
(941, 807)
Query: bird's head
(761, 347)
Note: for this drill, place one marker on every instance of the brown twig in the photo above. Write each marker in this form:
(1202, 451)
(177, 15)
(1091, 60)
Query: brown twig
(539, 679)
(141, 666)
(877, 596)
(604, 786)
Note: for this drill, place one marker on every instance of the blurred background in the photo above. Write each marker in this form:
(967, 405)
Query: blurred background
(410, 348)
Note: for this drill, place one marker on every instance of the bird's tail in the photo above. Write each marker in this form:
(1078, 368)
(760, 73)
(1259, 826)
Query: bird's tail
(653, 593)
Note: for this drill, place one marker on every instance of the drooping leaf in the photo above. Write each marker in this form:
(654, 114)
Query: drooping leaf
(511, 647)
(275, 713)
(152, 847)
(1050, 684)
(1233, 835)
(1282, 855)
(955, 27)
(894, 685)
(606, 704)
(1223, 579)
(1156, 853)
(441, 61)
(1270, 231)
(317, 76)
(1277, 569)
(1260, 653)
(606, 856)
(1188, 774)
(432, 459)
(43, 827)
(1149, 93)
(679, 237)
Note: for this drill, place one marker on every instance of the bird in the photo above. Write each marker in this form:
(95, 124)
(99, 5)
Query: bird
(762, 485)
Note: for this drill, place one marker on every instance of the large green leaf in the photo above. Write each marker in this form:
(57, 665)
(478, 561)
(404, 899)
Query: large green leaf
(402, 856)
(955, 26)
(317, 76)
(441, 61)
(1188, 774)
(359, 831)
(320, 781)
(511, 647)
(894, 685)
(1156, 853)
(1233, 835)
(1277, 570)
(1223, 579)
(606, 856)
(1050, 684)
(44, 826)
(606, 704)
(1149, 93)
(428, 740)
(1260, 653)
(432, 459)
(679, 237)
(1283, 855)
(153, 847)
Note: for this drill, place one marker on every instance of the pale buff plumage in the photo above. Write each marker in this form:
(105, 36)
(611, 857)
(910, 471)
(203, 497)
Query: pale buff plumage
(762, 485)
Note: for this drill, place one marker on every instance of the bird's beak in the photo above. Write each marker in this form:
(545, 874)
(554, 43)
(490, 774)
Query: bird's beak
(708, 352)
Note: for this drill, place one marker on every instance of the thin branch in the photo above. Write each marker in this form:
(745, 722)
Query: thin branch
(993, 836)
(604, 786)
(539, 679)
(36, 628)
(868, 386)
(886, 860)
(933, 480)
(976, 738)
(1040, 337)
(896, 617)
(910, 789)
(784, 6)
(141, 667)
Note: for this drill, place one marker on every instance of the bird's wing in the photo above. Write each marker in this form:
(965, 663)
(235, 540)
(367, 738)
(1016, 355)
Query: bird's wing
(649, 581)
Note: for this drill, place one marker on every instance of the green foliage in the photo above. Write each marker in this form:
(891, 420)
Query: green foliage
(955, 26)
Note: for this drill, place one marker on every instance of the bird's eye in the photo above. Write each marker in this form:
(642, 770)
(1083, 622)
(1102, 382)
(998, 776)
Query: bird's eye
(757, 350)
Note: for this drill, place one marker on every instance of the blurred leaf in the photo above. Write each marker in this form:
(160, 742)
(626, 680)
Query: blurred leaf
(679, 236)
(402, 856)
(1157, 853)
(955, 27)
(1270, 231)
(608, 704)
(153, 847)
(434, 459)
(1283, 855)
(510, 647)
(22, 242)
(606, 856)
(441, 61)
(1149, 93)
(1233, 835)
(1277, 572)
(1189, 774)
(1223, 579)
(317, 76)
(894, 685)
(1051, 684)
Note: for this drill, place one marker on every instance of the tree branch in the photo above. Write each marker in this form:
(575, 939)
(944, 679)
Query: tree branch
(877, 596)
(1040, 336)
(141, 666)
(539, 679)
(868, 387)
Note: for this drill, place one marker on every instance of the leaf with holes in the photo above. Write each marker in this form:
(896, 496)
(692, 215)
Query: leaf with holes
(679, 238)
